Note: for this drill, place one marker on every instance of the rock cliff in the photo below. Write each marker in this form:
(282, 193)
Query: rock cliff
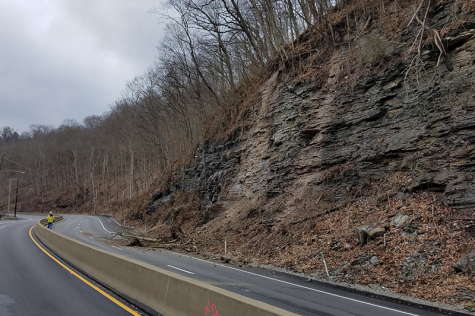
(354, 133)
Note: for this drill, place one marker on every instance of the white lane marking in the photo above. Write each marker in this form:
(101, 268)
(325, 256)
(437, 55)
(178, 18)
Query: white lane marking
(117, 247)
(103, 225)
(79, 224)
(179, 269)
(309, 288)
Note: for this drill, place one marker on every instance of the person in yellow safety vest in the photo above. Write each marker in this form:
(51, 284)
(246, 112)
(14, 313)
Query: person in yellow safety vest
(50, 220)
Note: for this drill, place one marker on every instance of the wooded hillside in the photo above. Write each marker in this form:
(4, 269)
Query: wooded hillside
(212, 54)
(285, 127)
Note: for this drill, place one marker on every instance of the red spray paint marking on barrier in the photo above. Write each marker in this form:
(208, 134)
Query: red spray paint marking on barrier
(214, 310)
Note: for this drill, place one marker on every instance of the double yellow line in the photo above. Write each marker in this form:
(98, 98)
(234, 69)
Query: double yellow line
(84, 280)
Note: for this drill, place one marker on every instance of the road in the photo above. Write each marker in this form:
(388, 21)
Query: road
(32, 283)
(282, 290)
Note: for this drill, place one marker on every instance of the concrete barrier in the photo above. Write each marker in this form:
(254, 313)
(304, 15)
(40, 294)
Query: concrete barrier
(167, 293)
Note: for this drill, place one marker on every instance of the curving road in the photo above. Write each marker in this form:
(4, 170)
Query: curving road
(32, 283)
(282, 290)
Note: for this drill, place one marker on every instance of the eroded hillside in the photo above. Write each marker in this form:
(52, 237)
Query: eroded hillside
(372, 130)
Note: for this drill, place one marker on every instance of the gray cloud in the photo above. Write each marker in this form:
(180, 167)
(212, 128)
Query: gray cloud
(69, 59)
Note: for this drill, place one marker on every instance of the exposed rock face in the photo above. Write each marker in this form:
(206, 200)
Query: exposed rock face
(215, 165)
(323, 136)
(316, 163)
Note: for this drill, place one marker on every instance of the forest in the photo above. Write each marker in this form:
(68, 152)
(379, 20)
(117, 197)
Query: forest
(212, 51)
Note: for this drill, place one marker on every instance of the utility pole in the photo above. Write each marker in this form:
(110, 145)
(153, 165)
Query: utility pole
(123, 198)
(1, 160)
(10, 184)
(16, 197)
(16, 194)
(9, 189)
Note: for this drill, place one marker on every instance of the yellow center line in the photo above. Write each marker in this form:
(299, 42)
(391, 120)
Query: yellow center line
(84, 280)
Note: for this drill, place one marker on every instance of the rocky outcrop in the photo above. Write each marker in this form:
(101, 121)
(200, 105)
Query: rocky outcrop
(215, 165)
(362, 155)
(342, 134)
(367, 140)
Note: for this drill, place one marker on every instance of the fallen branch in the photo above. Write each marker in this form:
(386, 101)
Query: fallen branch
(415, 13)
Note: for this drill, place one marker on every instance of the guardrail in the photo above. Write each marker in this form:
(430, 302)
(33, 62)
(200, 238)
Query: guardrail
(167, 293)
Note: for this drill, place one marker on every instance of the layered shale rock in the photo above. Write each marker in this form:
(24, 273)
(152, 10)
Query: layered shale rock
(344, 133)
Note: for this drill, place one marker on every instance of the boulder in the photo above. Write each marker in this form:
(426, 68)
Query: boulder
(400, 220)
(374, 260)
(365, 233)
(362, 235)
(466, 264)
(415, 265)
(341, 270)
(376, 232)
(360, 260)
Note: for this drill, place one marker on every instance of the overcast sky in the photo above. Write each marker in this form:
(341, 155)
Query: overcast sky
(62, 59)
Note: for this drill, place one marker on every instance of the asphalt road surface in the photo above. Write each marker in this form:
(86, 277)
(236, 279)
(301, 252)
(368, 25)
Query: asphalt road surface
(33, 283)
(282, 290)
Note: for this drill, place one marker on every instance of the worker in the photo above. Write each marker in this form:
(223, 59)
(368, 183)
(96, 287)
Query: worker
(50, 220)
